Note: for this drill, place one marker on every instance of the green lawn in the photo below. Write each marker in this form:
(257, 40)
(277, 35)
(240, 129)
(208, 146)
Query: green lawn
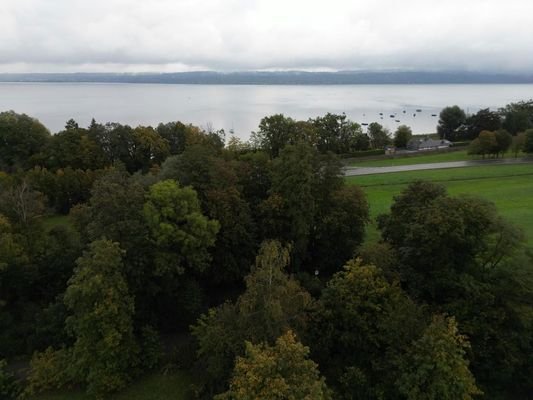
(52, 221)
(424, 158)
(174, 386)
(510, 187)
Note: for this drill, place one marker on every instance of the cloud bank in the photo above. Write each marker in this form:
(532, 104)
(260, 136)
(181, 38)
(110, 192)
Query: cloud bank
(229, 35)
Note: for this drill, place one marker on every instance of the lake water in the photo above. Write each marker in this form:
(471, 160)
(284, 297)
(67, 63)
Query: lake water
(241, 107)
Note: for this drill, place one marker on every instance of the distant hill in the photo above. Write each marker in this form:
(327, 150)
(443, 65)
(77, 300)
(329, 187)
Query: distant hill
(276, 78)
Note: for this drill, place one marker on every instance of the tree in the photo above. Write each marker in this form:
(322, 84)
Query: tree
(484, 144)
(438, 239)
(272, 303)
(284, 215)
(105, 352)
(339, 135)
(178, 229)
(282, 371)
(339, 228)
(450, 119)
(362, 325)
(518, 143)
(483, 120)
(21, 139)
(275, 132)
(175, 133)
(528, 143)
(435, 367)
(503, 141)
(518, 117)
(150, 148)
(459, 256)
(379, 136)
(402, 136)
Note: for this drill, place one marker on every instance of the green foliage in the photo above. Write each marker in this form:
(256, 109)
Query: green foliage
(339, 228)
(275, 132)
(282, 371)
(271, 304)
(51, 370)
(439, 238)
(491, 143)
(450, 119)
(435, 367)
(366, 153)
(151, 349)
(338, 134)
(402, 136)
(178, 229)
(292, 186)
(104, 353)
(456, 255)
(483, 120)
(528, 143)
(9, 387)
(361, 328)
(379, 136)
(21, 139)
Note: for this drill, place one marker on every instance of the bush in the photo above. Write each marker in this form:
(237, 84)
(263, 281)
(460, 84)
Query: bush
(365, 153)
(9, 388)
(151, 351)
(50, 370)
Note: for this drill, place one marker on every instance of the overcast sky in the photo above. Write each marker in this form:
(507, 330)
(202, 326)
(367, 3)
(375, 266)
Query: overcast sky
(228, 35)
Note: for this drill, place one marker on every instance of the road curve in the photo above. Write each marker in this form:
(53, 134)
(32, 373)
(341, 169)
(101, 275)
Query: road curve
(357, 171)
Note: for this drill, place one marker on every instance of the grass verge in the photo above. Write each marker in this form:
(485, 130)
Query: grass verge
(422, 158)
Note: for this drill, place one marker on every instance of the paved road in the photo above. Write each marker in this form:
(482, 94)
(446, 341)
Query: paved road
(356, 171)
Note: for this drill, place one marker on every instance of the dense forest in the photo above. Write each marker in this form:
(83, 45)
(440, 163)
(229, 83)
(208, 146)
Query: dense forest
(124, 250)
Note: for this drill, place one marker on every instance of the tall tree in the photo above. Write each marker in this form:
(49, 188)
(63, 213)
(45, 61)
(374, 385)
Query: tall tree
(379, 136)
(178, 229)
(272, 303)
(402, 136)
(290, 209)
(450, 119)
(275, 132)
(21, 139)
(282, 371)
(362, 326)
(435, 367)
(105, 352)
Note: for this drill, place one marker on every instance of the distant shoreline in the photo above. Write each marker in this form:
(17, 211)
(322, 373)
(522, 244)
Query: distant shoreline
(274, 78)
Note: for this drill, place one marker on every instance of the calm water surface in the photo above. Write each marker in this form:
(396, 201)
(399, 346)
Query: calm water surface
(241, 107)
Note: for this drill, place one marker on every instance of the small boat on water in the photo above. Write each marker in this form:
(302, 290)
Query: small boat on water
(392, 115)
(433, 115)
(418, 110)
(364, 124)
(397, 120)
(380, 113)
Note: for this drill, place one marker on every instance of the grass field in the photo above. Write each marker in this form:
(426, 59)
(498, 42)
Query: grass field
(424, 158)
(509, 187)
(52, 221)
(154, 387)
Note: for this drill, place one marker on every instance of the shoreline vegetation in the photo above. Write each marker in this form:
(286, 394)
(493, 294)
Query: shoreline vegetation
(171, 262)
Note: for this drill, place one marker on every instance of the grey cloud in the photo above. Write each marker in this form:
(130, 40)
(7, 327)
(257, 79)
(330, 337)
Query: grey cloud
(258, 34)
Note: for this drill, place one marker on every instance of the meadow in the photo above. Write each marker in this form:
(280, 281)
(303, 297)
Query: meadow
(509, 187)
(421, 158)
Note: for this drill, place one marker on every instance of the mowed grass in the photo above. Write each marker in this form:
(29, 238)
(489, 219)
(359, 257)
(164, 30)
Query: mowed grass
(509, 187)
(175, 386)
(424, 158)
